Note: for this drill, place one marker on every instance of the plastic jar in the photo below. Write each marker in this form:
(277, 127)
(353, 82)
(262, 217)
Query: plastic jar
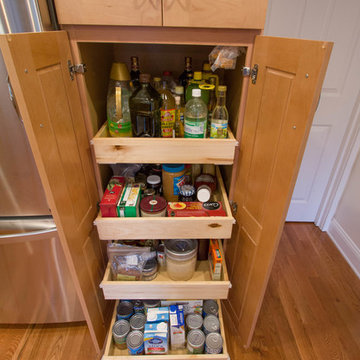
(173, 177)
(151, 206)
(150, 270)
(181, 258)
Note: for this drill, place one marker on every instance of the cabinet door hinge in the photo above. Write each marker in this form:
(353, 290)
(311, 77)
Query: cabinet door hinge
(76, 69)
(234, 207)
(251, 72)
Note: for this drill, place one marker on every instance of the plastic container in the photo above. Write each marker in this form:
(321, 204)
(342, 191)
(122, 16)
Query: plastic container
(181, 258)
(149, 271)
(173, 176)
(153, 206)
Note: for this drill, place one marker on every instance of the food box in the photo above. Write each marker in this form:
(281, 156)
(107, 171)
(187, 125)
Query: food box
(189, 306)
(177, 327)
(215, 259)
(128, 205)
(157, 314)
(156, 338)
(185, 209)
(111, 196)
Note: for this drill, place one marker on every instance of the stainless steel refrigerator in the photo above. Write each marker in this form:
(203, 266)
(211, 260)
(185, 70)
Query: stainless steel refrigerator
(35, 282)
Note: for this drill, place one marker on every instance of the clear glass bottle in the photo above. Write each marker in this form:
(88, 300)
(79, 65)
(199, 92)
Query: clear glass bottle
(212, 103)
(195, 116)
(167, 111)
(179, 91)
(135, 71)
(156, 83)
(179, 123)
(208, 74)
(117, 106)
(187, 74)
(220, 116)
(145, 104)
(169, 80)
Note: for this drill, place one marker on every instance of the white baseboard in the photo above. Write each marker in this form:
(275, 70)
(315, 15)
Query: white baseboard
(346, 245)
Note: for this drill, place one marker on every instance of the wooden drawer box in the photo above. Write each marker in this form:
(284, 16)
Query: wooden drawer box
(214, 227)
(110, 150)
(113, 353)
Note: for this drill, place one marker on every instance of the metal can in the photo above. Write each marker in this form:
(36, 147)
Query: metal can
(151, 304)
(135, 343)
(210, 307)
(120, 331)
(194, 321)
(138, 306)
(211, 324)
(125, 310)
(213, 343)
(137, 322)
(195, 342)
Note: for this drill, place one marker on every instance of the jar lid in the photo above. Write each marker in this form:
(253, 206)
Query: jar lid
(153, 204)
(153, 179)
(203, 193)
(187, 190)
(173, 168)
(181, 249)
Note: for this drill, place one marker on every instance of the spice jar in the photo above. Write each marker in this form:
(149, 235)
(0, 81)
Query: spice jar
(151, 206)
(181, 258)
(149, 271)
(154, 182)
(173, 176)
(187, 193)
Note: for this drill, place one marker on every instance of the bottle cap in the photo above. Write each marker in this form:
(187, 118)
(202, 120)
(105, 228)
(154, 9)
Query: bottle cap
(145, 78)
(153, 179)
(203, 193)
(179, 90)
(119, 72)
(156, 79)
(206, 67)
(196, 92)
(197, 75)
(177, 99)
(166, 73)
(221, 88)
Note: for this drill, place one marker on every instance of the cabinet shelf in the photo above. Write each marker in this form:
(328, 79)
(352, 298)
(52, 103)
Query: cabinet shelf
(133, 228)
(110, 150)
(113, 353)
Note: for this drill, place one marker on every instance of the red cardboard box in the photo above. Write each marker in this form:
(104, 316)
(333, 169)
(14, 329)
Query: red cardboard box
(111, 196)
(187, 209)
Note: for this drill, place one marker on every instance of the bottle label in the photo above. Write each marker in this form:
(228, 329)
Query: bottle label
(195, 128)
(179, 181)
(167, 123)
(218, 128)
(119, 128)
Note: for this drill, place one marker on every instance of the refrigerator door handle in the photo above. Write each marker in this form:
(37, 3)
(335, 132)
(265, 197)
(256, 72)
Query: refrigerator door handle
(28, 234)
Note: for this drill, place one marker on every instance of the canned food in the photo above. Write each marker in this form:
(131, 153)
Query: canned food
(194, 321)
(135, 343)
(211, 324)
(210, 307)
(151, 304)
(120, 331)
(138, 306)
(195, 342)
(213, 343)
(125, 310)
(137, 322)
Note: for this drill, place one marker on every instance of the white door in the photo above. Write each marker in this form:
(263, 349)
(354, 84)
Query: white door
(330, 20)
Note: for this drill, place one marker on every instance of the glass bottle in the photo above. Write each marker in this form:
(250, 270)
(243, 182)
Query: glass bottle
(195, 116)
(212, 103)
(179, 118)
(187, 74)
(169, 80)
(198, 83)
(145, 104)
(156, 83)
(220, 116)
(117, 106)
(167, 112)
(208, 74)
(179, 91)
(135, 71)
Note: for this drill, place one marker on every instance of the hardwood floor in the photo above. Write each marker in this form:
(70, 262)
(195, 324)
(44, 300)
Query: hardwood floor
(311, 311)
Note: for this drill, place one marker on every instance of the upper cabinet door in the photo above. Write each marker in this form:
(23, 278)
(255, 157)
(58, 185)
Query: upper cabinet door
(109, 12)
(236, 14)
(279, 111)
(50, 108)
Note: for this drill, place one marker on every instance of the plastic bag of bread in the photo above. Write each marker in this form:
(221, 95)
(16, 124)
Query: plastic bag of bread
(224, 57)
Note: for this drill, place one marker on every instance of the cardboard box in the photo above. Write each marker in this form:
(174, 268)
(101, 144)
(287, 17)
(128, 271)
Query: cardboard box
(215, 259)
(187, 209)
(177, 327)
(157, 314)
(189, 306)
(128, 205)
(112, 194)
(156, 338)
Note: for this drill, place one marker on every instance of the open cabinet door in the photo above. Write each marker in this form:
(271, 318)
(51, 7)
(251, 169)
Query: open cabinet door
(50, 108)
(279, 111)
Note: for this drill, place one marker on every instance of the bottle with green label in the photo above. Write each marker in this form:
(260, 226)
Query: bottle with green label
(117, 106)
(195, 116)
(220, 116)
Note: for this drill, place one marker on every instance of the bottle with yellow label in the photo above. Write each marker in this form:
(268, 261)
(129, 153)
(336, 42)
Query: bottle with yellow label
(220, 116)
(167, 111)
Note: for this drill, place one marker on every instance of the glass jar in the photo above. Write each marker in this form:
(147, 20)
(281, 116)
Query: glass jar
(154, 182)
(181, 258)
(150, 270)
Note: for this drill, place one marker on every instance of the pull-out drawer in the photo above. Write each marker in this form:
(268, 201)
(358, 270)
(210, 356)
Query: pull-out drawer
(199, 287)
(113, 353)
(214, 227)
(110, 150)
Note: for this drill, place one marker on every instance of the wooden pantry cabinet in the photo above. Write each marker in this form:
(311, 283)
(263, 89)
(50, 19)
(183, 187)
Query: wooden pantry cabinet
(237, 14)
(271, 114)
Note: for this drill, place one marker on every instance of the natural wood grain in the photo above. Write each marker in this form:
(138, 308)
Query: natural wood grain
(109, 12)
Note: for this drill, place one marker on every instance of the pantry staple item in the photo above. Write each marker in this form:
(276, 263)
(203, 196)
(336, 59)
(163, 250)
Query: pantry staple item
(181, 258)
(195, 342)
(138, 306)
(215, 260)
(135, 343)
(203, 193)
(211, 324)
(213, 343)
(148, 304)
(187, 193)
(125, 310)
(157, 314)
(177, 327)
(156, 338)
(153, 206)
(128, 205)
(210, 307)
(186, 209)
(173, 177)
(137, 321)
(149, 271)
(154, 182)
(111, 196)
(194, 321)
(120, 331)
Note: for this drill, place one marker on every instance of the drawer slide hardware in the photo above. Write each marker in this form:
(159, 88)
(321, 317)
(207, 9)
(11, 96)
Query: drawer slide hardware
(247, 71)
(234, 207)
(76, 69)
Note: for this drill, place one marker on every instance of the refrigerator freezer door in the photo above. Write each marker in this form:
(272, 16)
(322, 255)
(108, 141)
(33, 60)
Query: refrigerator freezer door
(35, 282)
